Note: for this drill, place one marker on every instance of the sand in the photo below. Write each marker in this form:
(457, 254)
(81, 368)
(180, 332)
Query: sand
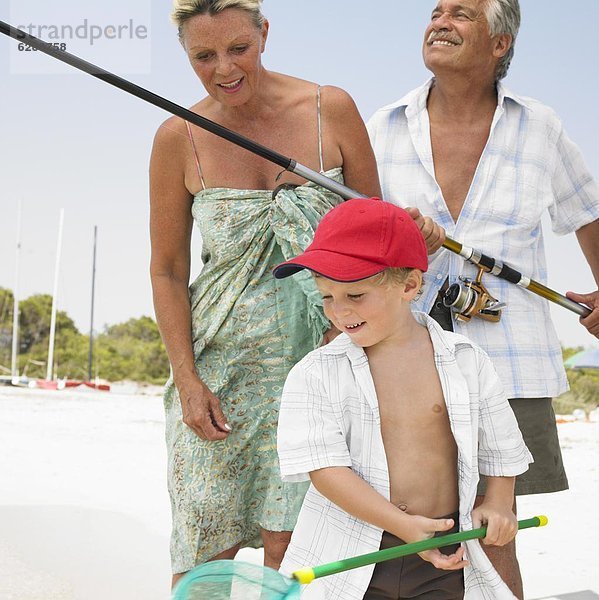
(84, 513)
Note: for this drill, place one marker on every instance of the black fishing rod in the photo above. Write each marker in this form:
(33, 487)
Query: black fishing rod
(482, 261)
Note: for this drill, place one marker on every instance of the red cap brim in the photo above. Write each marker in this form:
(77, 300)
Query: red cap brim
(332, 265)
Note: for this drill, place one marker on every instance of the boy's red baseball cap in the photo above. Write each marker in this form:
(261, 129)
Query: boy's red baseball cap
(358, 239)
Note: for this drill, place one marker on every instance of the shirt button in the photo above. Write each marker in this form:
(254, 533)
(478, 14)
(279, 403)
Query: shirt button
(439, 276)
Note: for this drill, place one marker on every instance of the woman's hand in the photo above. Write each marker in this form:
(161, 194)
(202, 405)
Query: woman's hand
(202, 412)
(422, 528)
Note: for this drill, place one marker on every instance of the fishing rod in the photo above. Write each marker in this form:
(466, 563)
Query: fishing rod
(471, 298)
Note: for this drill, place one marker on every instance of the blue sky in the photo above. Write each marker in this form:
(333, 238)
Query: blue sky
(69, 140)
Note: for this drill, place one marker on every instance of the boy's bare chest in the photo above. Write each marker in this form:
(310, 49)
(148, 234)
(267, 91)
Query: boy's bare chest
(406, 408)
(409, 397)
(419, 445)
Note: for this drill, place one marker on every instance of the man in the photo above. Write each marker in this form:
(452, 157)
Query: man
(483, 164)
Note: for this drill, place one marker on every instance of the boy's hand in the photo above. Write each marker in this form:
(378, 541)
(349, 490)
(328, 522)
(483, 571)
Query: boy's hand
(423, 528)
(501, 523)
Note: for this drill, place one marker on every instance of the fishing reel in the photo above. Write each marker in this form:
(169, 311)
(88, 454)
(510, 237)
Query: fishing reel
(469, 299)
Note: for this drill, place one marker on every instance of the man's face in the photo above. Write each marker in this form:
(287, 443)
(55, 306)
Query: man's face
(457, 38)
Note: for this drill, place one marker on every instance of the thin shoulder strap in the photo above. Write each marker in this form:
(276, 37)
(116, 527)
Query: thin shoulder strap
(319, 121)
(195, 155)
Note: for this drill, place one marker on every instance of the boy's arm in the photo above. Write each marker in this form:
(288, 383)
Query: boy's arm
(496, 512)
(355, 496)
(309, 435)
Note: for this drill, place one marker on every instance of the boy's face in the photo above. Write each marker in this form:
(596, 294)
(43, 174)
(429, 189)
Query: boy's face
(370, 313)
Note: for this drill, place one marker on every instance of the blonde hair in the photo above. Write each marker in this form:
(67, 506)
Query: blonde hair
(391, 276)
(183, 10)
(396, 276)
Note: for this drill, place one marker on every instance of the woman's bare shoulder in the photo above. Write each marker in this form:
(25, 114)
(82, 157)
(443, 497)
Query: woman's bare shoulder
(170, 131)
(293, 87)
(336, 99)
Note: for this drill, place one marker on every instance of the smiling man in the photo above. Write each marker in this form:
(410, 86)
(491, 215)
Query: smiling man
(484, 164)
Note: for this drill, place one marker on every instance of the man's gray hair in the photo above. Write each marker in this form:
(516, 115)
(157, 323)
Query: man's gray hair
(503, 16)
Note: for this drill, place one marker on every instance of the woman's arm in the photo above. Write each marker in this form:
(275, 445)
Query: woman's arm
(170, 233)
(346, 128)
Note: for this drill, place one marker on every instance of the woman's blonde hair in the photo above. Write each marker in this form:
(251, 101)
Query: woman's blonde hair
(183, 10)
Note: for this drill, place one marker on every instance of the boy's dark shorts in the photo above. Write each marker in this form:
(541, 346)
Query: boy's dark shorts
(536, 420)
(412, 577)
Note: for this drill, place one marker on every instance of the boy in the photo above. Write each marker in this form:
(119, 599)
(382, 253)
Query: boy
(392, 422)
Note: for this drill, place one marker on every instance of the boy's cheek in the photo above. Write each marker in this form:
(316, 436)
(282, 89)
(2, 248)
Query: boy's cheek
(331, 317)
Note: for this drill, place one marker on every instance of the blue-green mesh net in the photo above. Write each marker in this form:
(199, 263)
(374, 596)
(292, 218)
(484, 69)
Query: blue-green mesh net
(235, 580)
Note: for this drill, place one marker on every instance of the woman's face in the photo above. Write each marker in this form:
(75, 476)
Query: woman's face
(225, 53)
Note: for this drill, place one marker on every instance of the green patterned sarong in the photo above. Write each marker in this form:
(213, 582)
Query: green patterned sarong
(248, 330)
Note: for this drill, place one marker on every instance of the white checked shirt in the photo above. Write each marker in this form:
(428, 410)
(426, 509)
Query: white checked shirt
(329, 417)
(529, 165)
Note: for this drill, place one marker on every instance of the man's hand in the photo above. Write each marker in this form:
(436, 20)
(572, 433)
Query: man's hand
(591, 300)
(202, 412)
(434, 235)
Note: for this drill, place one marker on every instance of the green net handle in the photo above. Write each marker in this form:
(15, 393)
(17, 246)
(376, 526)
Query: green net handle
(308, 574)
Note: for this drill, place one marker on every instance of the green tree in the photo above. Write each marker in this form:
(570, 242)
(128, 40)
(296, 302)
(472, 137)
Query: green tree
(6, 310)
(132, 350)
(584, 387)
(34, 321)
(34, 334)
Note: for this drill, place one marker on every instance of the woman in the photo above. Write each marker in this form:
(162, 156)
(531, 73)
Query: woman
(235, 333)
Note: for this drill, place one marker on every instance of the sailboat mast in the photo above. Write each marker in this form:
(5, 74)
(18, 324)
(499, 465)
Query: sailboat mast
(14, 369)
(90, 361)
(50, 366)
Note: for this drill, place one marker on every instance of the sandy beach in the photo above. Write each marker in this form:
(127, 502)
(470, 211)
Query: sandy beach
(84, 512)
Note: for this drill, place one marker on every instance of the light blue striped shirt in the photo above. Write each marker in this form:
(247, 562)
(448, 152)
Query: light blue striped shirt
(529, 165)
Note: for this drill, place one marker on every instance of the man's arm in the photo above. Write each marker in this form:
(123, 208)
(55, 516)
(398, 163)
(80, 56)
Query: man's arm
(588, 238)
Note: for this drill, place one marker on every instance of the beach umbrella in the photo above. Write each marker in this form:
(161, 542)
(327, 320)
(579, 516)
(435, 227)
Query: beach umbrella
(586, 359)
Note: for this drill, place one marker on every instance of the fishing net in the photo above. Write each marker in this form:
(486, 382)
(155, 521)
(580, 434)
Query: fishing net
(235, 580)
